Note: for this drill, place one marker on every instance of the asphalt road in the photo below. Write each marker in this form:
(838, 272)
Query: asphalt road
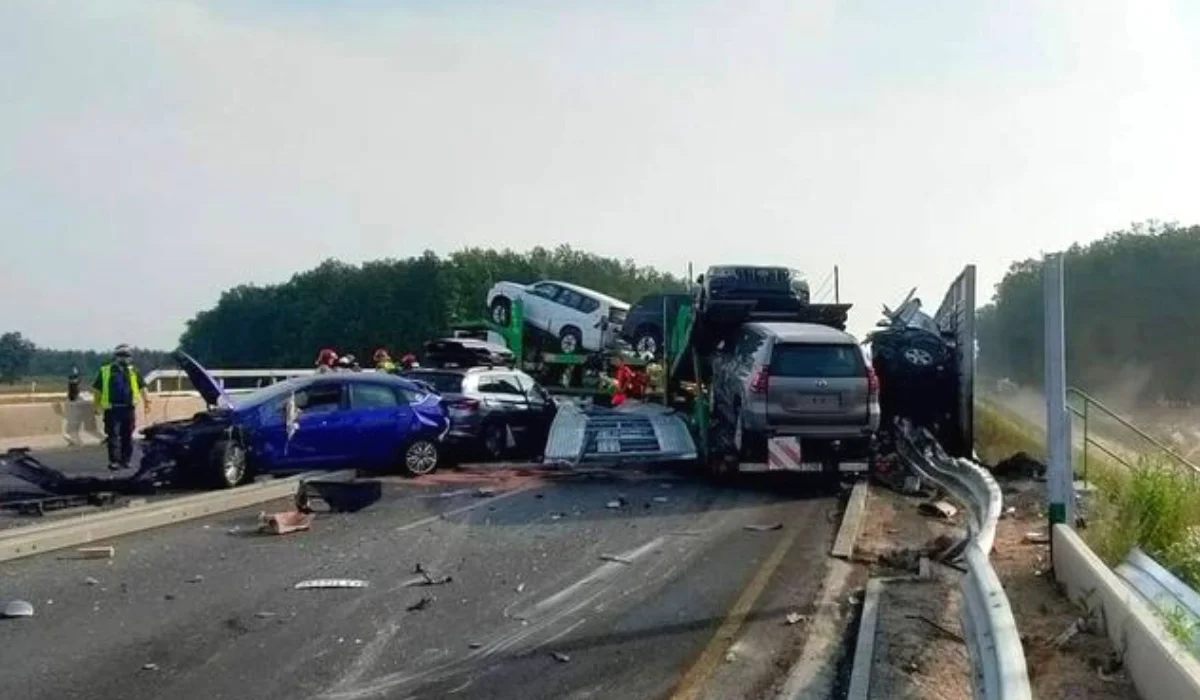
(553, 595)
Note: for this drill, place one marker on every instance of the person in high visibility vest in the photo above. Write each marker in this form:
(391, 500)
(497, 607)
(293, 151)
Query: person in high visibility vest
(383, 361)
(116, 392)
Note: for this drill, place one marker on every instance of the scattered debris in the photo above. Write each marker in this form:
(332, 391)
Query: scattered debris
(1037, 537)
(169, 596)
(476, 645)
(91, 581)
(421, 604)
(426, 578)
(285, 522)
(93, 553)
(1069, 633)
(149, 667)
(615, 558)
(730, 657)
(1019, 466)
(198, 578)
(483, 492)
(938, 509)
(763, 528)
(661, 499)
(1009, 512)
(947, 633)
(331, 583)
(793, 618)
(19, 608)
(264, 615)
(557, 516)
(338, 495)
(520, 587)
(560, 657)
(613, 504)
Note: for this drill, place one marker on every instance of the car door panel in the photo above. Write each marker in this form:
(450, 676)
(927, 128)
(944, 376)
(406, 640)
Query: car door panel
(541, 412)
(318, 440)
(381, 421)
(506, 402)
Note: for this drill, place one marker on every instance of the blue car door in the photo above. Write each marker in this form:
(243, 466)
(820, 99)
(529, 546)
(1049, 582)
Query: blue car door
(323, 437)
(382, 420)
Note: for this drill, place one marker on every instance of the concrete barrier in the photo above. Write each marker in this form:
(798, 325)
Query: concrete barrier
(1159, 666)
(74, 422)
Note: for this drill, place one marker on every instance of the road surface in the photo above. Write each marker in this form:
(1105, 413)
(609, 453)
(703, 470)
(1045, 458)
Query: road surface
(554, 594)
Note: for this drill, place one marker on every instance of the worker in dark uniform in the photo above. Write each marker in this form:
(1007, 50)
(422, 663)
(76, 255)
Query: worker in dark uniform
(117, 390)
(73, 385)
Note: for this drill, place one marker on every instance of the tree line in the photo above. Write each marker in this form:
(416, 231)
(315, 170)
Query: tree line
(20, 358)
(1130, 310)
(396, 304)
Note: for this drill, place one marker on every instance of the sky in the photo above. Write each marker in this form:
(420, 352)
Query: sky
(155, 153)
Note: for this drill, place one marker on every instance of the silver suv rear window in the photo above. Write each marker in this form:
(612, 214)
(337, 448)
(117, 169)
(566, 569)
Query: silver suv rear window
(819, 361)
(442, 382)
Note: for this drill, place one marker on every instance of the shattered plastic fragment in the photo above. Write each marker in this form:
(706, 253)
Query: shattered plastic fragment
(420, 604)
(615, 558)
(793, 618)
(560, 657)
(764, 528)
(19, 608)
(331, 583)
(149, 667)
(91, 581)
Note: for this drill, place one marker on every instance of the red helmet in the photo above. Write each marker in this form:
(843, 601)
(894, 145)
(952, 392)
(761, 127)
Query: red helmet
(327, 356)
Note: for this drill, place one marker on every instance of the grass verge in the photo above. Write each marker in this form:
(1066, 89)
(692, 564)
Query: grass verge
(1152, 503)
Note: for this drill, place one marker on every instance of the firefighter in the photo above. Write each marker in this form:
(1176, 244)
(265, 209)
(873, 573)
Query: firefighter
(326, 359)
(117, 390)
(409, 361)
(383, 361)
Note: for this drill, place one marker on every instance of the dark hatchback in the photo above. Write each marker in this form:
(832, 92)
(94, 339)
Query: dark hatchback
(494, 411)
(644, 325)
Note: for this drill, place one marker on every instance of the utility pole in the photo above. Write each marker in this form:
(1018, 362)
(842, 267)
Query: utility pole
(837, 289)
(1060, 479)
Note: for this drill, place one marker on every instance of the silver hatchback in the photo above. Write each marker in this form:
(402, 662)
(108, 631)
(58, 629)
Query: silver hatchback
(802, 380)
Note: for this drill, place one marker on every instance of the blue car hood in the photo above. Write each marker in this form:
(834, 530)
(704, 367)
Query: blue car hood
(204, 383)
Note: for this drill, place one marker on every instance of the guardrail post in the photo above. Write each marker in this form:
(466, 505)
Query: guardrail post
(1058, 424)
(1085, 441)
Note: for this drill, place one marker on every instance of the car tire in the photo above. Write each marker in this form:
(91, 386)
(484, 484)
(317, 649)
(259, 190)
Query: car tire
(500, 311)
(648, 338)
(493, 440)
(420, 457)
(570, 340)
(228, 464)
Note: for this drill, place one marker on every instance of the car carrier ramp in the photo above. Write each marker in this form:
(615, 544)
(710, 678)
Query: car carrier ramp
(633, 432)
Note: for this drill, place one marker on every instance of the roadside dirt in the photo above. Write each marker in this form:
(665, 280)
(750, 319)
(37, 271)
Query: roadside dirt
(919, 652)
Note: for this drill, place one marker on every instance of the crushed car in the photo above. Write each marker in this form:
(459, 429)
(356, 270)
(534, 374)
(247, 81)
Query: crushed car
(322, 421)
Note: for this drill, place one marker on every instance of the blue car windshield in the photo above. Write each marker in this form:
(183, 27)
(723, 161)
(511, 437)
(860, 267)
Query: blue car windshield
(268, 393)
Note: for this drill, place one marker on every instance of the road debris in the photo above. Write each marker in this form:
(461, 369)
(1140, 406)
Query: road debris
(475, 645)
(285, 522)
(763, 528)
(615, 558)
(149, 667)
(18, 608)
(92, 553)
(426, 579)
(730, 657)
(198, 578)
(484, 492)
(793, 618)
(331, 583)
(92, 581)
(264, 615)
(1037, 537)
(557, 516)
(661, 499)
(613, 505)
(520, 587)
(938, 509)
(942, 630)
(560, 657)
(1069, 633)
(421, 604)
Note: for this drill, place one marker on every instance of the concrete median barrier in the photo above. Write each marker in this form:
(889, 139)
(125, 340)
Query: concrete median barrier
(45, 425)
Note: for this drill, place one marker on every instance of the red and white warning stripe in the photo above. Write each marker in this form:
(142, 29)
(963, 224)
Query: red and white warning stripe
(784, 454)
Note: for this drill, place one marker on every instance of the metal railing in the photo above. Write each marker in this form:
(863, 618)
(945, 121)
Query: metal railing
(990, 630)
(1090, 407)
(169, 382)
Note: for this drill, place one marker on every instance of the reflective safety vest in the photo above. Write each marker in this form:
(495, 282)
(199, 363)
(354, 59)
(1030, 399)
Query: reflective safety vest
(386, 366)
(135, 385)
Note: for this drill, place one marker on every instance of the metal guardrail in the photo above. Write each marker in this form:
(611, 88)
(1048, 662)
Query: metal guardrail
(1090, 406)
(1164, 592)
(156, 379)
(990, 631)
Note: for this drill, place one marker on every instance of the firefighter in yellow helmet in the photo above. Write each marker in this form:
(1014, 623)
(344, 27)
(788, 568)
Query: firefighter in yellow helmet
(116, 392)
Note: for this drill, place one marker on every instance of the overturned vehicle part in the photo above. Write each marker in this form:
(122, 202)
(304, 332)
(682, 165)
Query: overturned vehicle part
(632, 432)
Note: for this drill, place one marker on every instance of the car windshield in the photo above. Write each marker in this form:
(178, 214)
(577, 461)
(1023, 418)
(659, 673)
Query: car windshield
(442, 382)
(266, 394)
(820, 361)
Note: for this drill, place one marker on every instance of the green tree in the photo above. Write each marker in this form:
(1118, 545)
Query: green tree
(16, 352)
(1130, 302)
(397, 304)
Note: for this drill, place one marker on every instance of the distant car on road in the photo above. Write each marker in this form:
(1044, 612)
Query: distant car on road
(493, 411)
(643, 327)
(338, 419)
(803, 380)
(578, 317)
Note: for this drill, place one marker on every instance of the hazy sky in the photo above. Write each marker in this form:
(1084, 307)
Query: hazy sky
(153, 154)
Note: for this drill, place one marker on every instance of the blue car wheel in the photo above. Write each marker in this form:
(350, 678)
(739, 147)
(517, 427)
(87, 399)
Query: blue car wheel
(421, 457)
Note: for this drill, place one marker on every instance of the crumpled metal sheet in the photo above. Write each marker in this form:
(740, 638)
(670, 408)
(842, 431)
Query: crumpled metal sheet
(637, 432)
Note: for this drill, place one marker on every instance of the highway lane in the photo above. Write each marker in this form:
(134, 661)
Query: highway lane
(554, 595)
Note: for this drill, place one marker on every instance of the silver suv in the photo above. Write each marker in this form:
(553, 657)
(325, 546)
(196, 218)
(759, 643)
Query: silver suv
(804, 380)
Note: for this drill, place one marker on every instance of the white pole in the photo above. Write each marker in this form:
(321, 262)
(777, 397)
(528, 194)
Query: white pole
(1058, 424)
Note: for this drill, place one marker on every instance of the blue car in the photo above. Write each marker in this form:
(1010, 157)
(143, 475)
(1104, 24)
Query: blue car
(323, 421)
